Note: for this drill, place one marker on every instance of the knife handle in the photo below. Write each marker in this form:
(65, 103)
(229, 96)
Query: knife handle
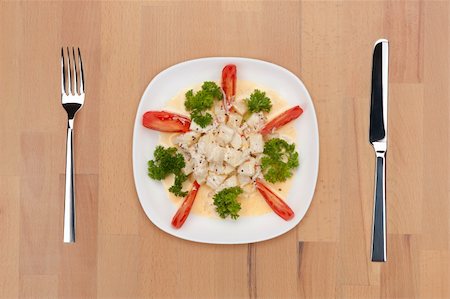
(379, 214)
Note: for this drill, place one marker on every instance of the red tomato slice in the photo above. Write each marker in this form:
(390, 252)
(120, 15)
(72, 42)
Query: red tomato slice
(229, 83)
(282, 119)
(185, 208)
(165, 121)
(275, 203)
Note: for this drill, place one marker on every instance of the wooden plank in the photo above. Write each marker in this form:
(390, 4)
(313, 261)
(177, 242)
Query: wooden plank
(434, 274)
(167, 44)
(121, 88)
(9, 230)
(118, 265)
(353, 253)
(318, 68)
(317, 262)
(39, 286)
(406, 47)
(170, 267)
(435, 222)
(358, 292)
(40, 235)
(277, 258)
(39, 68)
(399, 275)
(405, 204)
(9, 91)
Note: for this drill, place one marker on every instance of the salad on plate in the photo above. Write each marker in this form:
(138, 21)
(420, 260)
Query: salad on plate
(226, 148)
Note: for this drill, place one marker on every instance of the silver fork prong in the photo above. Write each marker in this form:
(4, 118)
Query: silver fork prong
(80, 64)
(75, 88)
(63, 73)
(69, 74)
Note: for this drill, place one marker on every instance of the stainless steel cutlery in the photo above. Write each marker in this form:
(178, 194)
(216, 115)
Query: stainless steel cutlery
(378, 137)
(72, 99)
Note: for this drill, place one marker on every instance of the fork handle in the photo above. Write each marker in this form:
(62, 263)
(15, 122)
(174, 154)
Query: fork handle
(379, 214)
(69, 195)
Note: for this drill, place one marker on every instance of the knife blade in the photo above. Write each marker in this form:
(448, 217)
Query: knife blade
(378, 138)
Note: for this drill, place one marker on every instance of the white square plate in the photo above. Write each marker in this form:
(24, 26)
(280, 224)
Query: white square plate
(152, 196)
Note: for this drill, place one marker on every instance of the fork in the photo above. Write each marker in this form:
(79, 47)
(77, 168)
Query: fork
(72, 99)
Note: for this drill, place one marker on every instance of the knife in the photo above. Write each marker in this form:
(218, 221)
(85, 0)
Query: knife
(378, 138)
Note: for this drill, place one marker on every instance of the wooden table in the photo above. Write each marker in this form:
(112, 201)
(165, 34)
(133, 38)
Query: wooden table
(120, 253)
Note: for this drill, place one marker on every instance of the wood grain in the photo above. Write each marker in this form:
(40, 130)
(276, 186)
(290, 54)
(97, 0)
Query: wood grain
(119, 253)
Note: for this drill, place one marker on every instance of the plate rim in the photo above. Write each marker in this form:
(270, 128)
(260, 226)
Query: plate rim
(233, 58)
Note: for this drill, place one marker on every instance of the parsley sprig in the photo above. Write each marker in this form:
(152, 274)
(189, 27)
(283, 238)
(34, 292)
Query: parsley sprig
(279, 159)
(197, 103)
(226, 202)
(168, 161)
(259, 102)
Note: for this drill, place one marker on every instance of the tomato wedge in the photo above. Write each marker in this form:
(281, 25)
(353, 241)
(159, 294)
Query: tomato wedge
(282, 119)
(166, 121)
(229, 84)
(275, 203)
(185, 208)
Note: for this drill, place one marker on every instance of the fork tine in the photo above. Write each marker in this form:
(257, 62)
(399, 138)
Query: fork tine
(63, 72)
(75, 88)
(80, 64)
(69, 74)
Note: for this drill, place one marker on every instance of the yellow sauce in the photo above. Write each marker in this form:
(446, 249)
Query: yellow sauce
(252, 203)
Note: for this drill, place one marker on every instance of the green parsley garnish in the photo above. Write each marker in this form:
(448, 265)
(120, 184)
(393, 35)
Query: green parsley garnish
(177, 187)
(201, 118)
(259, 102)
(213, 89)
(168, 161)
(201, 101)
(226, 202)
(279, 159)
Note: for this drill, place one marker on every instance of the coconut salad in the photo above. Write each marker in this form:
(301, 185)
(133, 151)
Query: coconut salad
(229, 146)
